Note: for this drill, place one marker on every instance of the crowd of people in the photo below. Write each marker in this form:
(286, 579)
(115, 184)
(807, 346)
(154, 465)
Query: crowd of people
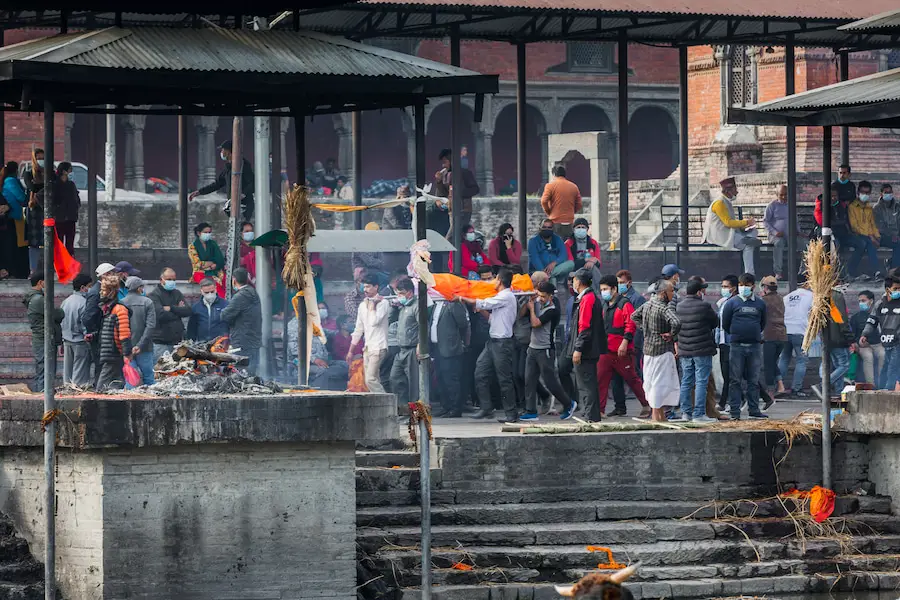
(112, 319)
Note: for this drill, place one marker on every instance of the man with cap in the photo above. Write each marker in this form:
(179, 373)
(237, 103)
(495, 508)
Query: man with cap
(724, 230)
(92, 316)
(142, 318)
(124, 270)
(672, 274)
(223, 183)
(696, 348)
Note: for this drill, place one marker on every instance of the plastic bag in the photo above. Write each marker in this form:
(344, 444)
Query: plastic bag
(131, 373)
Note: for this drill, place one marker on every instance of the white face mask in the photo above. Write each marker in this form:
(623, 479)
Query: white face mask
(323, 313)
(863, 197)
(210, 296)
(248, 236)
(470, 236)
(205, 236)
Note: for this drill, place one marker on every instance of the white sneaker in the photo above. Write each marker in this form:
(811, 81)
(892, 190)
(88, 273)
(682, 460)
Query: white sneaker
(705, 419)
(686, 418)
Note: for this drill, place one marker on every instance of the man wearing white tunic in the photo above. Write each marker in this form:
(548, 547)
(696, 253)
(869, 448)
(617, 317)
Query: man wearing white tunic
(660, 325)
(722, 229)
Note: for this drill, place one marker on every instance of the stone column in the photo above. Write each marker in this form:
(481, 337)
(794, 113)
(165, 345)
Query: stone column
(207, 155)
(345, 146)
(545, 173)
(282, 135)
(67, 140)
(487, 150)
(134, 152)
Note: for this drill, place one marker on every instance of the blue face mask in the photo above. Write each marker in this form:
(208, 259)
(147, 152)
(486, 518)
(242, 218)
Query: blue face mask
(606, 295)
(726, 292)
(169, 285)
(581, 233)
(205, 236)
(623, 288)
(745, 291)
(863, 306)
(895, 294)
(842, 181)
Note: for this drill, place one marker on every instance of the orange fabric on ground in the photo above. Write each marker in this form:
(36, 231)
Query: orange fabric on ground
(451, 285)
(821, 501)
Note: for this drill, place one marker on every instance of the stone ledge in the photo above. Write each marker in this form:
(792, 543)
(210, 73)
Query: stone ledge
(871, 413)
(110, 421)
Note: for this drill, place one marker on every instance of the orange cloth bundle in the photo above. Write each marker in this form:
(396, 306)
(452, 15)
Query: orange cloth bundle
(357, 381)
(453, 285)
(821, 501)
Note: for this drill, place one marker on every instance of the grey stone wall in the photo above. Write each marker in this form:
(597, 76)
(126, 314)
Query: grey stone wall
(638, 465)
(884, 468)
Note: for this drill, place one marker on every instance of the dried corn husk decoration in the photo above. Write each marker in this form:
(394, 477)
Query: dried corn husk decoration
(822, 277)
(300, 227)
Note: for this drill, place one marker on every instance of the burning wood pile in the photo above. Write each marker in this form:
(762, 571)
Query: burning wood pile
(206, 367)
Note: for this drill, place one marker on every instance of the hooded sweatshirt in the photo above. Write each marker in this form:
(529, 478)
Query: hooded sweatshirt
(34, 306)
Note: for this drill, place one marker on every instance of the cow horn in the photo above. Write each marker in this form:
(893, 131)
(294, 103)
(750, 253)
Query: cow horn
(565, 590)
(624, 574)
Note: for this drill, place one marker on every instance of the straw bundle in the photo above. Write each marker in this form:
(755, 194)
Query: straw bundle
(300, 227)
(822, 277)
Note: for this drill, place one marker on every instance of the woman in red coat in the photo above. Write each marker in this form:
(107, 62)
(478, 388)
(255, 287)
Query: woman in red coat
(471, 253)
(505, 250)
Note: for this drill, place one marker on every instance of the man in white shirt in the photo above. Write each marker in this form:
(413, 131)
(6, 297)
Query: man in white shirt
(497, 357)
(797, 306)
(371, 322)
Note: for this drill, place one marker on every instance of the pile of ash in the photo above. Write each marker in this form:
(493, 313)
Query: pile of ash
(236, 382)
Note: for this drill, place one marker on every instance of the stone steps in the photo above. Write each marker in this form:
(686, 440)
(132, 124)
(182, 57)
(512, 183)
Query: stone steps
(392, 479)
(387, 459)
(585, 511)
(603, 532)
(769, 587)
(665, 553)
(22, 591)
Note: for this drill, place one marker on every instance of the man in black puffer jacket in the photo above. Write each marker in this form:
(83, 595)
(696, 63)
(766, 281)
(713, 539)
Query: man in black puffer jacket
(696, 348)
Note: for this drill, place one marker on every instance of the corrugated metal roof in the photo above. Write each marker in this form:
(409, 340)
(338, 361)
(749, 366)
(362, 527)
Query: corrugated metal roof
(882, 21)
(871, 89)
(227, 50)
(663, 21)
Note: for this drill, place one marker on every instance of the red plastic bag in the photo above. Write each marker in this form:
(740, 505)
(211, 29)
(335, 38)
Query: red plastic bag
(132, 375)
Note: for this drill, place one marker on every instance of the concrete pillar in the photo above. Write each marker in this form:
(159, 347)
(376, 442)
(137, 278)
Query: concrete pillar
(67, 139)
(282, 134)
(488, 151)
(409, 130)
(600, 198)
(207, 156)
(545, 169)
(345, 146)
(109, 154)
(134, 152)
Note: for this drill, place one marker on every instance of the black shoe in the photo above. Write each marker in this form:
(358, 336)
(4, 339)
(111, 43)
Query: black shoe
(768, 403)
(483, 414)
(509, 418)
(616, 412)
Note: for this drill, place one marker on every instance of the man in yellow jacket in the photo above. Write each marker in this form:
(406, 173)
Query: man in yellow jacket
(724, 230)
(863, 228)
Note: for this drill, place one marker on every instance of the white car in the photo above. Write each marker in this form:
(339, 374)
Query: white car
(80, 177)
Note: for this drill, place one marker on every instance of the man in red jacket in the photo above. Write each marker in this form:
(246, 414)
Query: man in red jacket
(620, 330)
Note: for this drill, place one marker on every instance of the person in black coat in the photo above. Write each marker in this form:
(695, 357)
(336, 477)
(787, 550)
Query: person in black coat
(68, 203)
(223, 183)
(587, 342)
(696, 348)
(449, 334)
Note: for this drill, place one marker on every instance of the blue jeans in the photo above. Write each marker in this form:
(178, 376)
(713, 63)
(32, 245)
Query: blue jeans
(794, 345)
(890, 372)
(144, 363)
(746, 360)
(695, 372)
(862, 244)
(840, 364)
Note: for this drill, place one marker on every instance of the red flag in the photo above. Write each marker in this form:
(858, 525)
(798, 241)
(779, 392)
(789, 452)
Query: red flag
(66, 266)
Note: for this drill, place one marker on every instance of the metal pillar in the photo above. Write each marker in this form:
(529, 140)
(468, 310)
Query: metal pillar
(521, 109)
(826, 346)
(110, 154)
(261, 146)
(682, 145)
(456, 178)
(49, 360)
(2, 123)
(789, 88)
(182, 181)
(237, 162)
(300, 148)
(845, 131)
(424, 365)
(356, 142)
(93, 242)
(277, 191)
(623, 150)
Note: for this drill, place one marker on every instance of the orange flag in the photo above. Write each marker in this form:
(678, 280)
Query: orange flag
(66, 266)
